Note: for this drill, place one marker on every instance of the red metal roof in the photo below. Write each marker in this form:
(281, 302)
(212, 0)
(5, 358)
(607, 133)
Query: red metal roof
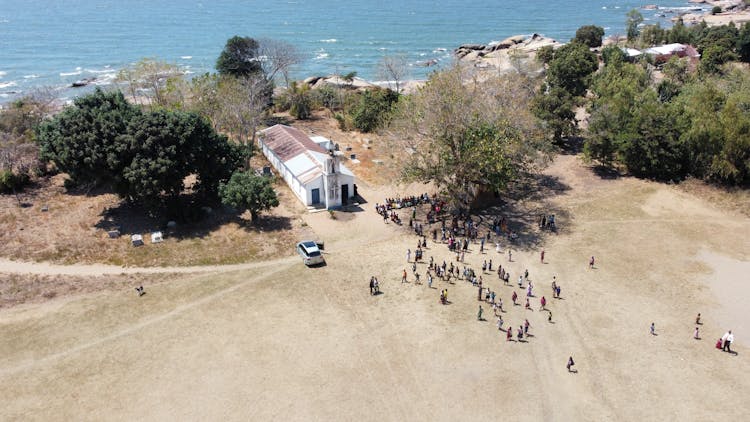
(288, 142)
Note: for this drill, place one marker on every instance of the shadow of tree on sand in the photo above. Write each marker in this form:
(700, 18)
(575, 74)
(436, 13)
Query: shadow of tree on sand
(523, 205)
(194, 221)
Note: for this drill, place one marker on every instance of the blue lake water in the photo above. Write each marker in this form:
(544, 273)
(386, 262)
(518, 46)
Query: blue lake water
(55, 42)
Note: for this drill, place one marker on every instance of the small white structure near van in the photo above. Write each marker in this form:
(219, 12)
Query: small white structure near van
(310, 166)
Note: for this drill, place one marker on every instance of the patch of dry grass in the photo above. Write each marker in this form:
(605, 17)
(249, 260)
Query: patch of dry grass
(74, 230)
(17, 289)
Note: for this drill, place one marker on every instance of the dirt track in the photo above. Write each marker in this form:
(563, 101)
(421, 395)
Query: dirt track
(277, 340)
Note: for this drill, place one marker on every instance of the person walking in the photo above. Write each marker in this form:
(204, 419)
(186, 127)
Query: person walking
(696, 334)
(429, 279)
(698, 319)
(542, 256)
(489, 266)
(543, 302)
(528, 305)
(514, 297)
(408, 255)
(510, 255)
(554, 286)
(591, 262)
(372, 285)
(549, 317)
(520, 282)
(653, 329)
(403, 276)
(526, 326)
(509, 334)
(520, 333)
(728, 339)
(570, 364)
(500, 323)
(479, 313)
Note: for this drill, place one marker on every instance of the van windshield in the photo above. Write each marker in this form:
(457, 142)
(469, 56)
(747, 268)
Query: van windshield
(314, 253)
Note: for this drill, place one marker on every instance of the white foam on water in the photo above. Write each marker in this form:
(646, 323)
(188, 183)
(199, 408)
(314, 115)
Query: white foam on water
(30, 76)
(105, 70)
(186, 57)
(78, 71)
(3, 73)
(330, 40)
(7, 84)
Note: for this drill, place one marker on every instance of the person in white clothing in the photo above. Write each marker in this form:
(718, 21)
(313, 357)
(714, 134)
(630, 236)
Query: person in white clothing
(728, 339)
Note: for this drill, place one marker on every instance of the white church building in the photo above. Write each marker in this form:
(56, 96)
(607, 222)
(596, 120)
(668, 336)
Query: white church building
(309, 165)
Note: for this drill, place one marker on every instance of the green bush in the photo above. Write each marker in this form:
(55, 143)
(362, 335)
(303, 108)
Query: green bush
(715, 10)
(590, 35)
(373, 109)
(11, 182)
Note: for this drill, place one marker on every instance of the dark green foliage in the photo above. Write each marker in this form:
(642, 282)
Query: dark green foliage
(545, 54)
(590, 35)
(555, 108)
(247, 191)
(373, 109)
(239, 58)
(699, 128)
(86, 140)
(144, 157)
(667, 90)
(713, 57)
(571, 67)
(11, 181)
(634, 19)
(300, 101)
(653, 35)
(612, 55)
(743, 43)
(679, 33)
(715, 10)
(724, 36)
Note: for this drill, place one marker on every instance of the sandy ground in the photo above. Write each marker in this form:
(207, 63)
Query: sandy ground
(281, 341)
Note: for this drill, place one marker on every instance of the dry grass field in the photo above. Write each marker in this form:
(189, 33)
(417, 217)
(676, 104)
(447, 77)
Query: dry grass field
(276, 340)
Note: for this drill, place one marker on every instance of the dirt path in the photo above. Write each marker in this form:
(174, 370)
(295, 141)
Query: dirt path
(44, 268)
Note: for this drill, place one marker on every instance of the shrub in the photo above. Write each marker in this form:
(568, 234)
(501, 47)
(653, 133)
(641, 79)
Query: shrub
(590, 35)
(715, 10)
(11, 182)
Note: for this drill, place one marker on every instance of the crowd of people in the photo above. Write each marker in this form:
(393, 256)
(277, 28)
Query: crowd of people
(461, 235)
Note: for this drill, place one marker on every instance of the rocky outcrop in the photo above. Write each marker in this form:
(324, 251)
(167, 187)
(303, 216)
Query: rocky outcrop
(523, 43)
(337, 81)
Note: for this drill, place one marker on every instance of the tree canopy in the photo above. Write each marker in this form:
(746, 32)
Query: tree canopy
(240, 57)
(457, 131)
(247, 191)
(590, 35)
(144, 157)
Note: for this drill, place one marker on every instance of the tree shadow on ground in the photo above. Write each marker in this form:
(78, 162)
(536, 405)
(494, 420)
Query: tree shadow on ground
(192, 221)
(523, 205)
(606, 172)
(571, 146)
(277, 120)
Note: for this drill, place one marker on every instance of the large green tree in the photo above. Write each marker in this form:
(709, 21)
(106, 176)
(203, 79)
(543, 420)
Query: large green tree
(247, 191)
(590, 35)
(240, 57)
(144, 157)
(632, 24)
(86, 140)
(460, 137)
(570, 68)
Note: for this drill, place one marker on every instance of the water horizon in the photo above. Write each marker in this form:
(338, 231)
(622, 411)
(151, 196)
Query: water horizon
(53, 43)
